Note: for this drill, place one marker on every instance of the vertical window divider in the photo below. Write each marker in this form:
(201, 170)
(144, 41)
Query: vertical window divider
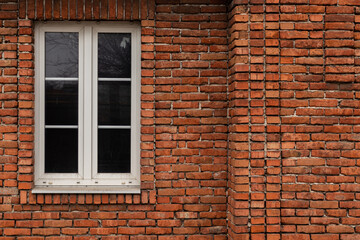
(94, 100)
(86, 105)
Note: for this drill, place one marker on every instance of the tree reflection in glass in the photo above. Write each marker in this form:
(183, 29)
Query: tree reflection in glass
(61, 54)
(114, 55)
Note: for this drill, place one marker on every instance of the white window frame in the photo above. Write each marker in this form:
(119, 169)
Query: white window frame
(87, 180)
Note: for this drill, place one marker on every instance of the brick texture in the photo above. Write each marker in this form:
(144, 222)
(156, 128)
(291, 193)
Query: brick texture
(249, 114)
(183, 126)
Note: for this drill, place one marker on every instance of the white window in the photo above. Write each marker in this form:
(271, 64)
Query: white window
(87, 97)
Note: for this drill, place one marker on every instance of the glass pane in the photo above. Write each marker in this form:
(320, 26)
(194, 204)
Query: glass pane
(113, 150)
(114, 102)
(114, 55)
(61, 102)
(61, 54)
(61, 150)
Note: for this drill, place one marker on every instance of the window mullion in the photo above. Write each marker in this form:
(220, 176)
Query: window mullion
(87, 104)
(95, 102)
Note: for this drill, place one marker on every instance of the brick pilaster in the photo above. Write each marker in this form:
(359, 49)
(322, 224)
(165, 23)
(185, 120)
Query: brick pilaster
(239, 116)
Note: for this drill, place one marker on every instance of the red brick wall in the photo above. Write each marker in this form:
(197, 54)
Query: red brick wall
(319, 117)
(183, 127)
(249, 123)
(293, 112)
(191, 115)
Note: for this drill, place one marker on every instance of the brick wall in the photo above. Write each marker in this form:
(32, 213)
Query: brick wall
(249, 114)
(183, 127)
(319, 117)
(293, 112)
(191, 116)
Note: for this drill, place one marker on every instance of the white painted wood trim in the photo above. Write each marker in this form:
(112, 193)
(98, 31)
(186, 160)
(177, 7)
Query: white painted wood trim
(87, 106)
(115, 79)
(87, 112)
(87, 189)
(61, 126)
(113, 127)
(61, 79)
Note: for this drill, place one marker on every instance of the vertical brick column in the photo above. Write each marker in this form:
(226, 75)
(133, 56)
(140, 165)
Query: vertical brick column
(147, 111)
(257, 120)
(239, 117)
(26, 107)
(254, 132)
(9, 193)
(272, 111)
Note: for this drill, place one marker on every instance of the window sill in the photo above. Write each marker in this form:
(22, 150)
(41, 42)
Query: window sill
(86, 189)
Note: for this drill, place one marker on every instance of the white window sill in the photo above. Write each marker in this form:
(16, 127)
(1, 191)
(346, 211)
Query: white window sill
(86, 189)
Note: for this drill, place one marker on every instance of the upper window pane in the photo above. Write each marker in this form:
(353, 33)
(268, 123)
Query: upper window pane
(61, 54)
(114, 55)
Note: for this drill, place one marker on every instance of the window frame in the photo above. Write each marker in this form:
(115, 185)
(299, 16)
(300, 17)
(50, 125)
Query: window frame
(87, 180)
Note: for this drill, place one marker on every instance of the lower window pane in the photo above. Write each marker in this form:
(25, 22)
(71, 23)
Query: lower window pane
(113, 150)
(61, 150)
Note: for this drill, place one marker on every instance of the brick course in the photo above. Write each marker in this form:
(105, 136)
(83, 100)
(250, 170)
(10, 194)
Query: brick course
(249, 113)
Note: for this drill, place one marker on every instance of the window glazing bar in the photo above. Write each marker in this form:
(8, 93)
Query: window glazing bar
(61, 126)
(115, 79)
(61, 79)
(113, 127)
